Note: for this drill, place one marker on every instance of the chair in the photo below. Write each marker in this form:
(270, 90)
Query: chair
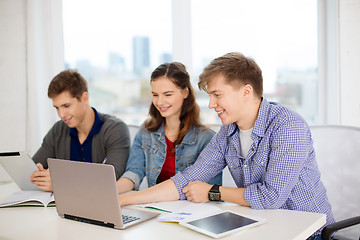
(133, 129)
(337, 150)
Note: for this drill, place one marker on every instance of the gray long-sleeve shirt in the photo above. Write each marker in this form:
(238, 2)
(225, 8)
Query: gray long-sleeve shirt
(112, 143)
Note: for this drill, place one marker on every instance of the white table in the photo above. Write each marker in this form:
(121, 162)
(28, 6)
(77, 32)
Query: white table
(44, 223)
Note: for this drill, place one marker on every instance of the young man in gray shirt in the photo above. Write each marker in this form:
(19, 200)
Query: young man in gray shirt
(82, 134)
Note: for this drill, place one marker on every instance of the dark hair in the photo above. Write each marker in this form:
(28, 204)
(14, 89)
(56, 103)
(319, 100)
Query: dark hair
(68, 80)
(190, 111)
(238, 70)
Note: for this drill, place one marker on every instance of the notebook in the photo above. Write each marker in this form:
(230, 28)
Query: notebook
(20, 167)
(87, 192)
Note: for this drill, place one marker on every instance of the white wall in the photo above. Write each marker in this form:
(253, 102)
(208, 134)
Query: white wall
(13, 94)
(349, 61)
(31, 53)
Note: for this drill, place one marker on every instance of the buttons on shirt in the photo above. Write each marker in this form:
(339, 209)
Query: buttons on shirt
(245, 165)
(180, 164)
(182, 147)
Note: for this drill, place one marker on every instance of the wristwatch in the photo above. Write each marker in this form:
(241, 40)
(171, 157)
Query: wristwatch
(214, 193)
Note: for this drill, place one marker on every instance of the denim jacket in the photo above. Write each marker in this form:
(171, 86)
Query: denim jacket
(148, 152)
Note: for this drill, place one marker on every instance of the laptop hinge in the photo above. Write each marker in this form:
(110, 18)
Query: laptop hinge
(86, 220)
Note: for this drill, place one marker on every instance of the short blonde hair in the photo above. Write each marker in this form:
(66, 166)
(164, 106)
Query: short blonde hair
(237, 69)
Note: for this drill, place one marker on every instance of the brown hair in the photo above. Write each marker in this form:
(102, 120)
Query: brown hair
(238, 70)
(190, 111)
(68, 80)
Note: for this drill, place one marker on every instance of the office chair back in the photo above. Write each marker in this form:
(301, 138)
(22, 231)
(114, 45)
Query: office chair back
(337, 150)
(133, 129)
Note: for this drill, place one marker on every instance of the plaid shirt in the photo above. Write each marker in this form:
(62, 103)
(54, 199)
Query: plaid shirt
(280, 169)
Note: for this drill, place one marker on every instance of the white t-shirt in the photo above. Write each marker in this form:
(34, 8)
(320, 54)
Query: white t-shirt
(245, 141)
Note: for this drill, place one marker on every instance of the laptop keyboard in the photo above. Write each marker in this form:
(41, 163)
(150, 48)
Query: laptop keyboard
(127, 218)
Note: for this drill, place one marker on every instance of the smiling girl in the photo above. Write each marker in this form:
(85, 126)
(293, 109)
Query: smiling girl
(173, 137)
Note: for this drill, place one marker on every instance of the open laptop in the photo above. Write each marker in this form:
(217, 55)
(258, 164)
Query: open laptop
(87, 192)
(20, 167)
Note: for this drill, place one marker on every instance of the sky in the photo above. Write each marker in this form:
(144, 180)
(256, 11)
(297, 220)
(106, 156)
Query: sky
(276, 33)
(104, 26)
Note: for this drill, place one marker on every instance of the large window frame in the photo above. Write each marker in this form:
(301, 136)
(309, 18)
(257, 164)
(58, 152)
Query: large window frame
(328, 74)
(328, 63)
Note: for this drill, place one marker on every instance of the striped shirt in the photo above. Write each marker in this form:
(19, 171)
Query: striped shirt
(280, 169)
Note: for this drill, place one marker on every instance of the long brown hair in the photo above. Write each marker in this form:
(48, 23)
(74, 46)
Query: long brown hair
(190, 111)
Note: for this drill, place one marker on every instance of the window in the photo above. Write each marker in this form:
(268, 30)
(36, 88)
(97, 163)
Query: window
(281, 35)
(117, 44)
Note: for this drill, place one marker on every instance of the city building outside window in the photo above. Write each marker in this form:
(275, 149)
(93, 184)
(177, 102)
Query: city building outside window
(117, 44)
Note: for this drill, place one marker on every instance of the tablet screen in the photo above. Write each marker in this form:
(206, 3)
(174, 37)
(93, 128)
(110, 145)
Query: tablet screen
(222, 224)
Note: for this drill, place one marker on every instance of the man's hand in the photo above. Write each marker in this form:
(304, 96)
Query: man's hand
(41, 178)
(197, 191)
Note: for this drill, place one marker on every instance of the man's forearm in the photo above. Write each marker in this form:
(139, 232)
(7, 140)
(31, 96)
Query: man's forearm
(234, 195)
(165, 191)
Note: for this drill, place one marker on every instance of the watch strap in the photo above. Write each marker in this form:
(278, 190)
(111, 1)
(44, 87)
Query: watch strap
(215, 188)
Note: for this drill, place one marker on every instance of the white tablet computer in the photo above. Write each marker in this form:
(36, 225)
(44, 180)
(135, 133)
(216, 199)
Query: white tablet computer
(221, 224)
(20, 167)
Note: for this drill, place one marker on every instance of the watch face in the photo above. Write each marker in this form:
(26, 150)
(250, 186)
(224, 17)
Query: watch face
(214, 196)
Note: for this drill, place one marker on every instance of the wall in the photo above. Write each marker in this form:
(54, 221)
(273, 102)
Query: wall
(31, 54)
(349, 61)
(13, 94)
